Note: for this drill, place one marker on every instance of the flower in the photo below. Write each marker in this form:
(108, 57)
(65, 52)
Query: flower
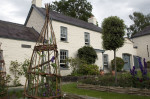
(52, 59)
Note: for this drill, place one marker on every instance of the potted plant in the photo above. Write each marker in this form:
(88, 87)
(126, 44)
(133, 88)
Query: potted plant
(101, 72)
(113, 72)
(148, 64)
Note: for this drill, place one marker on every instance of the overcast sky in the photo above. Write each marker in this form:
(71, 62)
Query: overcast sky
(16, 10)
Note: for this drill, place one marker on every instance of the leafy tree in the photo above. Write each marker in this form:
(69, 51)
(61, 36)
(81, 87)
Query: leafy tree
(16, 70)
(80, 9)
(113, 30)
(88, 54)
(140, 21)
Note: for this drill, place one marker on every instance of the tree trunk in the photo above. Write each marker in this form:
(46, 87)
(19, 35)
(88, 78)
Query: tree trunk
(115, 67)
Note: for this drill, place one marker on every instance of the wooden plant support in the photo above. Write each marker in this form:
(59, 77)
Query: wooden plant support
(3, 85)
(43, 76)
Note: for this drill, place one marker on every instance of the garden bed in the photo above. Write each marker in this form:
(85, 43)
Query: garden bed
(136, 91)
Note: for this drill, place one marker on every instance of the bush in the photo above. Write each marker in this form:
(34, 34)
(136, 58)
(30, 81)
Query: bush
(119, 63)
(88, 54)
(87, 69)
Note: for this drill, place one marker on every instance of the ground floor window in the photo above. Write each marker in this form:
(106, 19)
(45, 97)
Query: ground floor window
(63, 56)
(105, 57)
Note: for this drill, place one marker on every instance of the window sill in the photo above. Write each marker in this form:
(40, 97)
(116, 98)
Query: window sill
(64, 41)
(61, 68)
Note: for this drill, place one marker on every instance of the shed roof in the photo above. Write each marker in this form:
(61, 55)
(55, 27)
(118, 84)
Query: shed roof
(17, 31)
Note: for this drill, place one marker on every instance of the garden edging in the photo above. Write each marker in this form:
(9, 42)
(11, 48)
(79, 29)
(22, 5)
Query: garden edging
(135, 91)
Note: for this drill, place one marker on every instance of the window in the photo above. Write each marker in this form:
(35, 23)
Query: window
(105, 60)
(87, 38)
(63, 56)
(63, 36)
(25, 46)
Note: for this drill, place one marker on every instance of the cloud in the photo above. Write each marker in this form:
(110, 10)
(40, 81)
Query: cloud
(17, 10)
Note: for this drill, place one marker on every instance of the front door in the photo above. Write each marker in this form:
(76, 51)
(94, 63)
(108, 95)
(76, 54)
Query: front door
(126, 58)
(136, 61)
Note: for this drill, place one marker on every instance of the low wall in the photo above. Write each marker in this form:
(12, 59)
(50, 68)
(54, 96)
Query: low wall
(136, 91)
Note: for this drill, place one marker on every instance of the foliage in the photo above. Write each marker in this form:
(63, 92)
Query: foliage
(119, 63)
(142, 81)
(16, 70)
(75, 63)
(88, 54)
(140, 22)
(124, 80)
(80, 9)
(113, 32)
(25, 66)
(87, 69)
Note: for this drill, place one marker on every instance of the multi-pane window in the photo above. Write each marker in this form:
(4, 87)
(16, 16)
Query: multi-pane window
(63, 36)
(87, 38)
(63, 56)
(105, 57)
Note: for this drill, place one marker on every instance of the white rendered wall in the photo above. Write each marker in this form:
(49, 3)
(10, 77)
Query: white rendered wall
(13, 51)
(141, 43)
(76, 40)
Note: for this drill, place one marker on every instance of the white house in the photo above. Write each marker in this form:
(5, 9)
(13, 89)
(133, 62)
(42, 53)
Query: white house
(142, 43)
(72, 34)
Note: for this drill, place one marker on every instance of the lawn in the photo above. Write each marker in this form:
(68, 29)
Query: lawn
(71, 88)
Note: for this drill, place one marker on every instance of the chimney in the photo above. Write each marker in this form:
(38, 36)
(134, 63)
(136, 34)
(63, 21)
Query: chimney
(93, 20)
(37, 3)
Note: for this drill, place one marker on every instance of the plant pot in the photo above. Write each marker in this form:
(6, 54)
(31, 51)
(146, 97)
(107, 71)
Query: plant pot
(148, 64)
(101, 72)
(113, 73)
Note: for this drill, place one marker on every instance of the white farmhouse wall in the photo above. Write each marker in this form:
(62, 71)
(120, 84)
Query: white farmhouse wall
(127, 48)
(75, 37)
(36, 21)
(141, 43)
(76, 40)
(13, 51)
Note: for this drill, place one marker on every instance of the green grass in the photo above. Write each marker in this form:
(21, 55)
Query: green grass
(71, 88)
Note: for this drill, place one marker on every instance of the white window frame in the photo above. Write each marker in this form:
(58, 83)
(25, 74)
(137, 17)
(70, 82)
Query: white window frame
(87, 38)
(63, 56)
(63, 33)
(105, 62)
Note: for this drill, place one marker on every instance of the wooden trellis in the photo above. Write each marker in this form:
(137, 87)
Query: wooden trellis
(3, 87)
(43, 80)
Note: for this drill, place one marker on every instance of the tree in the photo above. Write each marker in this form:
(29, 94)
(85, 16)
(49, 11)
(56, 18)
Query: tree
(88, 54)
(80, 9)
(113, 30)
(140, 21)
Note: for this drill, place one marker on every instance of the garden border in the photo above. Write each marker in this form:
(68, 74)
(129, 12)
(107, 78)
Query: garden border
(127, 90)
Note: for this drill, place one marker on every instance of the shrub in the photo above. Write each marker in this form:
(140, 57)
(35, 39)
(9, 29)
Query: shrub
(87, 69)
(119, 63)
(16, 71)
(88, 54)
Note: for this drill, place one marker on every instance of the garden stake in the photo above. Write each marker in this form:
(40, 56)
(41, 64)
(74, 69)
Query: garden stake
(43, 80)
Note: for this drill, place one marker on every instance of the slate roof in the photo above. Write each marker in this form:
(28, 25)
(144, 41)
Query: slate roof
(66, 19)
(17, 31)
(145, 31)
